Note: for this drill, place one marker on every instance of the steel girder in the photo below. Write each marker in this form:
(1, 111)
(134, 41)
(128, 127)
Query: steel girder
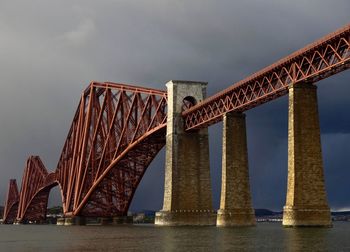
(11, 204)
(116, 132)
(315, 62)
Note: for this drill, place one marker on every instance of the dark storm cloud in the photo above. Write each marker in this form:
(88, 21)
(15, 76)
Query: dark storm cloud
(50, 50)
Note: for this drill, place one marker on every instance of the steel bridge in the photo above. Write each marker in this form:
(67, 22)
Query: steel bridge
(118, 130)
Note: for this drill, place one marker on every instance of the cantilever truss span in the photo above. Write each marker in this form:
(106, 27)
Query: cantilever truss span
(35, 190)
(11, 204)
(118, 129)
(116, 132)
(319, 60)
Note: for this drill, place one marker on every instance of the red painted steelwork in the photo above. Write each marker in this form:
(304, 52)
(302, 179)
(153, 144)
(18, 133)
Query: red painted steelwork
(315, 62)
(118, 129)
(35, 189)
(11, 204)
(116, 132)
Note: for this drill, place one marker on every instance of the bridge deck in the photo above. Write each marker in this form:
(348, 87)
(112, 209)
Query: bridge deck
(321, 59)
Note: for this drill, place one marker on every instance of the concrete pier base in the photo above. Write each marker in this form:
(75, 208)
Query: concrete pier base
(235, 204)
(316, 217)
(236, 218)
(187, 188)
(25, 222)
(306, 201)
(186, 218)
(60, 221)
(74, 221)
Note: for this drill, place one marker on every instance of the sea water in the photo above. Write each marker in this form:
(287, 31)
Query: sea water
(263, 237)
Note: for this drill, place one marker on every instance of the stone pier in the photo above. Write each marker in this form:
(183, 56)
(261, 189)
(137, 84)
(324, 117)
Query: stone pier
(306, 203)
(187, 188)
(74, 221)
(60, 221)
(235, 205)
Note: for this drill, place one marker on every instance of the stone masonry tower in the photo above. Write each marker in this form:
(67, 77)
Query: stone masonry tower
(235, 204)
(306, 203)
(187, 188)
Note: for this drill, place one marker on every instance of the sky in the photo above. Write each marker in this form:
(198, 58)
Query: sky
(51, 50)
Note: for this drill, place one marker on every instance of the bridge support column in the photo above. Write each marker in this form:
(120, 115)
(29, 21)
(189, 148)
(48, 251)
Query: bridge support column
(235, 205)
(306, 203)
(187, 189)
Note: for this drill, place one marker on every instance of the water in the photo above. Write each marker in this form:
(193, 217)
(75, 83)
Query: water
(264, 237)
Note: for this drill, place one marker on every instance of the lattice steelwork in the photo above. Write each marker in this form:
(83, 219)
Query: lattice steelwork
(35, 189)
(116, 132)
(118, 129)
(11, 204)
(315, 62)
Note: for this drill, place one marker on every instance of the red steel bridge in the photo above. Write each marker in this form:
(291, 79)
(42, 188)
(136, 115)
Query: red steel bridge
(118, 129)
